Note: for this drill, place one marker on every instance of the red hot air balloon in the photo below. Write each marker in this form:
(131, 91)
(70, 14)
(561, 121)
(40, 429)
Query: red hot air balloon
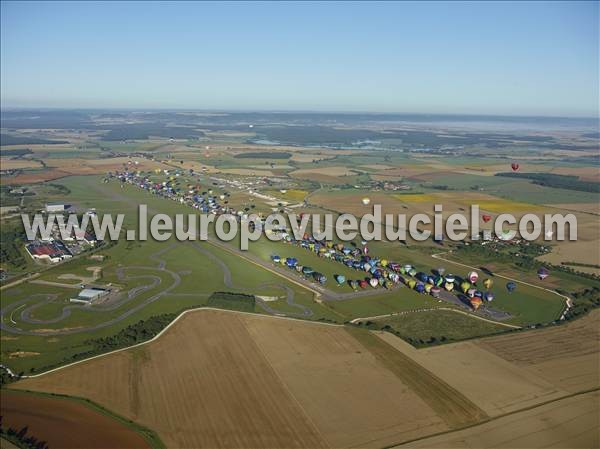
(486, 218)
(514, 166)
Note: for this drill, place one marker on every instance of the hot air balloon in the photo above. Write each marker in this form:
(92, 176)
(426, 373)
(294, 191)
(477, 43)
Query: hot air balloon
(353, 285)
(473, 276)
(320, 278)
(476, 302)
(420, 287)
(449, 286)
(486, 217)
(428, 288)
(543, 273)
(276, 258)
(514, 166)
(465, 286)
(339, 278)
(412, 272)
(411, 283)
(366, 201)
(450, 279)
(362, 283)
(374, 282)
(291, 262)
(471, 292)
(487, 283)
(511, 286)
(307, 271)
(489, 296)
(440, 270)
(435, 292)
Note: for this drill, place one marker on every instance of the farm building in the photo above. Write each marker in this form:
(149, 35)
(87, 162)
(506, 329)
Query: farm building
(89, 295)
(56, 207)
(52, 252)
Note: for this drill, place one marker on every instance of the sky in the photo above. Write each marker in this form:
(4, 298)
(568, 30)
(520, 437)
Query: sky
(505, 58)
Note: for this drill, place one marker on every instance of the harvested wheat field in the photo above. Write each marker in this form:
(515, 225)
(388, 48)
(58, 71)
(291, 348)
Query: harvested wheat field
(65, 423)
(567, 356)
(571, 422)
(510, 372)
(15, 164)
(223, 379)
(204, 383)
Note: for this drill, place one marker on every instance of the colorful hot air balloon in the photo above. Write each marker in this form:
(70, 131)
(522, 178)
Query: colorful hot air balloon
(411, 283)
(450, 278)
(374, 282)
(511, 286)
(476, 302)
(489, 296)
(487, 283)
(340, 278)
(486, 217)
(473, 276)
(543, 273)
(449, 286)
(471, 292)
(514, 166)
(435, 292)
(465, 286)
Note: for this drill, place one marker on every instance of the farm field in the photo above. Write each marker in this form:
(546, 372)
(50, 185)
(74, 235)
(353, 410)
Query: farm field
(306, 403)
(570, 422)
(524, 368)
(66, 423)
(310, 368)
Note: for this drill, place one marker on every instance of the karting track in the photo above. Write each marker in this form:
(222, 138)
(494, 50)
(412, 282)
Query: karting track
(150, 281)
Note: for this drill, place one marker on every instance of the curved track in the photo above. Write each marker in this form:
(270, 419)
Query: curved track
(151, 281)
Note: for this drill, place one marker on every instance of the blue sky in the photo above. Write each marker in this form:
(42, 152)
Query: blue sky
(449, 57)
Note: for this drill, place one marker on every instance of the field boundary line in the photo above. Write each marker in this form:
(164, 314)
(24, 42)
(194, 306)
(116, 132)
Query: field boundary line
(493, 418)
(449, 309)
(568, 301)
(196, 309)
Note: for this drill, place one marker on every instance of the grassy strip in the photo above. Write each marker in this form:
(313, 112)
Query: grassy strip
(149, 435)
(450, 405)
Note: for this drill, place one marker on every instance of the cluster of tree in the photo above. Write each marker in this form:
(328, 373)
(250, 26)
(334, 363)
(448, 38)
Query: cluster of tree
(263, 155)
(12, 238)
(20, 438)
(6, 378)
(557, 181)
(232, 301)
(135, 333)
(583, 301)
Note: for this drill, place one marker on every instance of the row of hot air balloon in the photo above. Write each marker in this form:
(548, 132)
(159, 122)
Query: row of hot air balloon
(292, 263)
